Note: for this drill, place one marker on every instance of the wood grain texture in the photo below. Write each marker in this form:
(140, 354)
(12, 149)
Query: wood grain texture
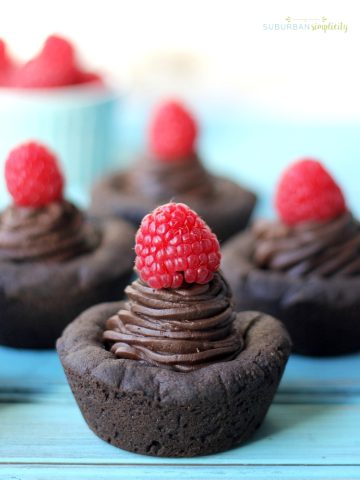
(311, 430)
(165, 472)
(292, 434)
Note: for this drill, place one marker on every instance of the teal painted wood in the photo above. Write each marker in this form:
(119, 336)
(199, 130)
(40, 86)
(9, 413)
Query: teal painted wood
(299, 434)
(150, 472)
(311, 430)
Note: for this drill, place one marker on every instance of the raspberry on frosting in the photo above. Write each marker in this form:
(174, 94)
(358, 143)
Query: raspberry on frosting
(175, 246)
(172, 132)
(307, 192)
(33, 176)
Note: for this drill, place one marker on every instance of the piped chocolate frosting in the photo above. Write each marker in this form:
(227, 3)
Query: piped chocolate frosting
(56, 232)
(184, 329)
(320, 248)
(162, 180)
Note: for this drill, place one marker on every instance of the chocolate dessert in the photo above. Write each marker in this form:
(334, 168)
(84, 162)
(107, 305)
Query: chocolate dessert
(206, 337)
(172, 170)
(54, 261)
(174, 370)
(305, 268)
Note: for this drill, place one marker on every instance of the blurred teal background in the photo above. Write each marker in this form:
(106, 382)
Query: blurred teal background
(241, 140)
(264, 97)
(254, 145)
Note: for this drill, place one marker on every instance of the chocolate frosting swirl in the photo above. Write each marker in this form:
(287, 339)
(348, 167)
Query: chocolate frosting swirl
(183, 329)
(323, 249)
(55, 232)
(162, 180)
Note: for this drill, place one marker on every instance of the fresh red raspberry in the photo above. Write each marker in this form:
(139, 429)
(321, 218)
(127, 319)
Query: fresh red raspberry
(174, 245)
(54, 66)
(172, 132)
(307, 192)
(33, 176)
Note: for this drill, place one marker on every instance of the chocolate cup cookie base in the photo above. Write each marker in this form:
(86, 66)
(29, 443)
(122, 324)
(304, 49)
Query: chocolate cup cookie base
(322, 315)
(227, 213)
(38, 300)
(161, 412)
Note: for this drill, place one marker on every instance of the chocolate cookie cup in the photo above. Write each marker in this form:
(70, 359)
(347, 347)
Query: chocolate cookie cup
(54, 262)
(306, 273)
(157, 411)
(171, 170)
(174, 370)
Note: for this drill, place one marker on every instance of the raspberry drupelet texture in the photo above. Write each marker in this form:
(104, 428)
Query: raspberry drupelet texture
(307, 192)
(175, 246)
(32, 175)
(172, 132)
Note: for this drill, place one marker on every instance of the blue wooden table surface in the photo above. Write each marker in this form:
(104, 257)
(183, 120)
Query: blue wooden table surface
(311, 430)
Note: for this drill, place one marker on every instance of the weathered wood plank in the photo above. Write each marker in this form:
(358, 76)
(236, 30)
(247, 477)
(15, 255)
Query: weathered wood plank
(165, 472)
(291, 435)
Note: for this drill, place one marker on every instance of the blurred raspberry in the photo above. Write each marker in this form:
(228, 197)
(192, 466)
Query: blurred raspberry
(307, 192)
(172, 132)
(54, 66)
(33, 176)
